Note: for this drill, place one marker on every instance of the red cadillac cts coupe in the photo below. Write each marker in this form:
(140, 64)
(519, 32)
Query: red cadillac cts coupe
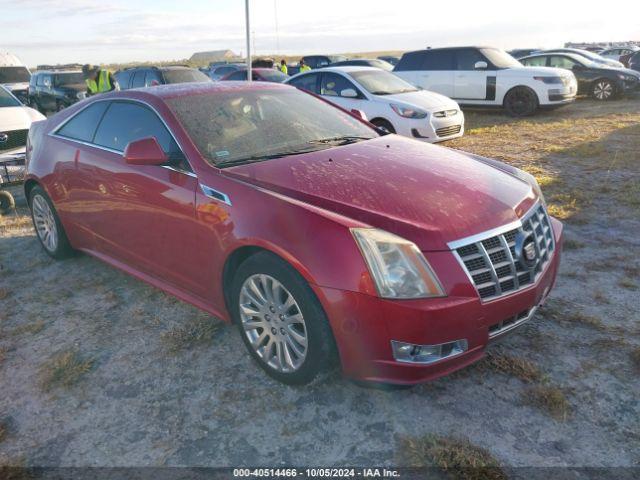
(320, 237)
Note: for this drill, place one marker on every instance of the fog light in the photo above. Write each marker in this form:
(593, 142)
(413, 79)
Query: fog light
(407, 352)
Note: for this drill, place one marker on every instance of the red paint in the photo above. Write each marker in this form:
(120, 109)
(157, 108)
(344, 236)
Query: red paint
(156, 224)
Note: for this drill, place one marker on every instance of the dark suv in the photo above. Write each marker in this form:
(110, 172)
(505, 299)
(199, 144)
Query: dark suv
(51, 90)
(137, 77)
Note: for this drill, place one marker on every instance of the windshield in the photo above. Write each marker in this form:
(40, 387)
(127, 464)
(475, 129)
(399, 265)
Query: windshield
(14, 74)
(74, 78)
(244, 126)
(8, 100)
(500, 58)
(185, 76)
(379, 82)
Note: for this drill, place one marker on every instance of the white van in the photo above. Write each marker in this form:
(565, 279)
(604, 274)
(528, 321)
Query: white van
(14, 75)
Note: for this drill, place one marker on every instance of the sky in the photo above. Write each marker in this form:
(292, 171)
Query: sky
(113, 31)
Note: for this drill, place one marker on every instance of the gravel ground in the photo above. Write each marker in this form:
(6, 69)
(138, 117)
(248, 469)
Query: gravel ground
(99, 369)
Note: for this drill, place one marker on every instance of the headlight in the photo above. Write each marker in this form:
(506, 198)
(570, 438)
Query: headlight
(398, 268)
(549, 80)
(408, 112)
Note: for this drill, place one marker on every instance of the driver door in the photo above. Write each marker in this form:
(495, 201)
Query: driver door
(470, 82)
(341, 91)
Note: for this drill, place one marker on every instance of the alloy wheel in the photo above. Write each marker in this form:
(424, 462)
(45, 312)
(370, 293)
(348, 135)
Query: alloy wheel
(273, 323)
(45, 223)
(603, 90)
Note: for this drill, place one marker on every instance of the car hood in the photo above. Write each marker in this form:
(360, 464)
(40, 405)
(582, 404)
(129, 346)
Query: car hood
(18, 118)
(424, 99)
(428, 194)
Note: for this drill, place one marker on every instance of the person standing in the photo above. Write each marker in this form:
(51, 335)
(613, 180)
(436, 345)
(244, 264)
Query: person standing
(283, 67)
(303, 66)
(98, 80)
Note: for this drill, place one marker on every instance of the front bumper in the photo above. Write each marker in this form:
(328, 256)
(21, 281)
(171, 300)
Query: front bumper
(434, 129)
(364, 326)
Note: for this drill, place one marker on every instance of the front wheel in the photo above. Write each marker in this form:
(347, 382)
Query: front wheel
(280, 320)
(384, 124)
(47, 224)
(520, 102)
(602, 90)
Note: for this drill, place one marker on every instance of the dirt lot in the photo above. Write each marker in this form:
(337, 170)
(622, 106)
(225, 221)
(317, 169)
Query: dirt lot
(99, 369)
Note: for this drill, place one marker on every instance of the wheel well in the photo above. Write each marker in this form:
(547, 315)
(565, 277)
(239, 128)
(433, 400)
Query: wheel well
(383, 120)
(28, 186)
(231, 265)
(504, 99)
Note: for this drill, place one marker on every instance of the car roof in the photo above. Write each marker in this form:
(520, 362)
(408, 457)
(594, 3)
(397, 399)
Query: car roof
(56, 71)
(177, 90)
(348, 69)
(453, 48)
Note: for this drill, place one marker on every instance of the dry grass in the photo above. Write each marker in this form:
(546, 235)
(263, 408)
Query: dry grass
(571, 244)
(635, 358)
(586, 320)
(4, 293)
(64, 370)
(520, 368)
(31, 328)
(4, 431)
(199, 331)
(458, 458)
(628, 283)
(549, 398)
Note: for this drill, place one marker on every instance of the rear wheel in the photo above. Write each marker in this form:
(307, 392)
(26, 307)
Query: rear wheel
(602, 89)
(382, 123)
(520, 102)
(47, 224)
(280, 320)
(7, 202)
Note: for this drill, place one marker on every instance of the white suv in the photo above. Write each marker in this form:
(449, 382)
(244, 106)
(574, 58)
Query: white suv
(485, 76)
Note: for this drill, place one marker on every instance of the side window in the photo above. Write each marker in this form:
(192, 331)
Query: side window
(438, 60)
(333, 84)
(123, 79)
(561, 62)
(46, 80)
(40, 80)
(83, 126)
(152, 79)
(138, 79)
(239, 75)
(125, 122)
(411, 62)
(466, 59)
(307, 82)
(535, 62)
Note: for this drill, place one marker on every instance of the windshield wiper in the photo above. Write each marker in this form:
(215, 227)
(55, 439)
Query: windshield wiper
(340, 140)
(270, 156)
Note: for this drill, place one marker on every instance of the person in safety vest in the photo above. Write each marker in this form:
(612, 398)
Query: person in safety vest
(283, 67)
(303, 66)
(98, 80)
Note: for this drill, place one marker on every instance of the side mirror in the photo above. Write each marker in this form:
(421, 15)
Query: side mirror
(146, 151)
(349, 93)
(360, 114)
(480, 66)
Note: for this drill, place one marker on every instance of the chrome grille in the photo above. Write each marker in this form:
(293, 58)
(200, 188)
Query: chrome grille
(13, 139)
(492, 263)
(446, 131)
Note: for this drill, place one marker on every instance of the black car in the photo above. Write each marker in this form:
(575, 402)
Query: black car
(319, 61)
(602, 83)
(634, 62)
(390, 58)
(522, 52)
(137, 77)
(365, 62)
(52, 90)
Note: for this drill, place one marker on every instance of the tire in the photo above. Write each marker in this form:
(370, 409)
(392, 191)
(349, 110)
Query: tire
(382, 123)
(276, 322)
(47, 224)
(59, 106)
(603, 90)
(7, 202)
(520, 102)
